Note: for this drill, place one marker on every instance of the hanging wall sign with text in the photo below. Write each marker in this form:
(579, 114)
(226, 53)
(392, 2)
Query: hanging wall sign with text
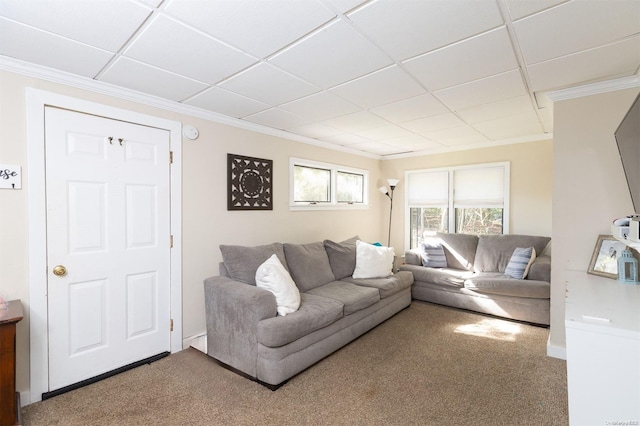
(10, 177)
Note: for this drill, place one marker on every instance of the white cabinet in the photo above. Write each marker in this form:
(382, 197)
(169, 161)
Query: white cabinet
(602, 320)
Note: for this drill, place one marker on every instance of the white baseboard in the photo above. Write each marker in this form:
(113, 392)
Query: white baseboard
(25, 398)
(199, 342)
(556, 351)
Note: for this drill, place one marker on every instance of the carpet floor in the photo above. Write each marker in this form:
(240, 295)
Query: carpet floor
(428, 365)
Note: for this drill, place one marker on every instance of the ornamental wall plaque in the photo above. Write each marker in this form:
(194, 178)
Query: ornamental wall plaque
(250, 183)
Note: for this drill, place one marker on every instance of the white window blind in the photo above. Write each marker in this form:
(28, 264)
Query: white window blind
(479, 187)
(429, 189)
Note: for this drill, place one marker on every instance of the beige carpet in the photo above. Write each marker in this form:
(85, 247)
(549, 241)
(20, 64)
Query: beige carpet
(428, 365)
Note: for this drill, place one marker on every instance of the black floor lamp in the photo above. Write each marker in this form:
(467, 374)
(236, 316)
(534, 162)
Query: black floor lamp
(389, 193)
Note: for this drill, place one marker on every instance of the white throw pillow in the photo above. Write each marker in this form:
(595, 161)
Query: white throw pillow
(272, 276)
(373, 261)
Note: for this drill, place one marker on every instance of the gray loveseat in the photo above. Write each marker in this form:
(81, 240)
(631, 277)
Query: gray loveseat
(245, 333)
(474, 276)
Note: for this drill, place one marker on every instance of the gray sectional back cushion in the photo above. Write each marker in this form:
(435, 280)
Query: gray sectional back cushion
(494, 251)
(342, 257)
(459, 250)
(242, 262)
(308, 264)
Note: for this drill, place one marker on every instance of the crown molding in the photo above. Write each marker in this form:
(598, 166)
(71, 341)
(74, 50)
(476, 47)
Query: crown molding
(594, 88)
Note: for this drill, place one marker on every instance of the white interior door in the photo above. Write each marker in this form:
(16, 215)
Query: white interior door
(108, 228)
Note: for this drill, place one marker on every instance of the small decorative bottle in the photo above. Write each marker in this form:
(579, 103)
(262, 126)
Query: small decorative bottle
(627, 268)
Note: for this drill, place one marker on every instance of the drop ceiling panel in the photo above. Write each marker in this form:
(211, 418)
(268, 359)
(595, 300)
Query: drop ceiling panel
(617, 59)
(481, 56)
(278, 119)
(431, 124)
(381, 87)
(320, 106)
(257, 27)
(406, 28)
(205, 59)
(356, 122)
(457, 136)
(331, 56)
(343, 6)
(575, 26)
(268, 84)
(32, 45)
(494, 110)
(346, 139)
(136, 76)
(519, 8)
(486, 90)
(315, 130)
(411, 108)
(228, 103)
(103, 24)
(384, 132)
(515, 126)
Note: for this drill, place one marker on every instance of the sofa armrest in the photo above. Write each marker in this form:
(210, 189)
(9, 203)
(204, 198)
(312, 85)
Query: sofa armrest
(412, 257)
(540, 269)
(233, 310)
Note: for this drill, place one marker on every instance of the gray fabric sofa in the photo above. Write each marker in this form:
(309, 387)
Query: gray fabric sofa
(474, 277)
(245, 333)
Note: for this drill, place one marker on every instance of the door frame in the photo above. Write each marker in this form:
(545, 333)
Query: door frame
(36, 101)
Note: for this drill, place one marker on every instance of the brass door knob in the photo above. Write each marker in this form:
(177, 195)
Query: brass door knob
(59, 271)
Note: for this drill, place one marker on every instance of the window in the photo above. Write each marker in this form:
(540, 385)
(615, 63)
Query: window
(469, 199)
(317, 185)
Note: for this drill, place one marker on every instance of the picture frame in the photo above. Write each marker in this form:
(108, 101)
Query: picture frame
(249, 183)
(604, 260)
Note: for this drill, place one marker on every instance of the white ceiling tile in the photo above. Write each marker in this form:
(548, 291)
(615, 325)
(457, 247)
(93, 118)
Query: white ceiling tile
(521, 8)
(136, 76)
(32, 45)
(103, 24)
(343, 6)
(356, 122)
(374, 147)
(490, 89)
(575, 26)
(515, 126)
(384, 132)
(477, 57)
(205, 59)
(277, 119)
(333, 55)
(381, 87)
(407, 28)
(258, 27)
(228, 103)
(346, 139)
(457, 136)
(268, 84)
(315, 130)
(617, 59)
(320, 106)
(491, 111)
(432, 124)
(411, 108)
(411, 140)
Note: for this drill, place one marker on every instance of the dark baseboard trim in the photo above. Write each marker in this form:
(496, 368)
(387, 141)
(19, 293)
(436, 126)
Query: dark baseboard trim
(47, 395)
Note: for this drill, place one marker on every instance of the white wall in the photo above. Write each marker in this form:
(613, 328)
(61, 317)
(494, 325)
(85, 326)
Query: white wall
(589, 187)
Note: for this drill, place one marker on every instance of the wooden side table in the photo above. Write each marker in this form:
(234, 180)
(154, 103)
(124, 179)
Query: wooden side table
(9, 398)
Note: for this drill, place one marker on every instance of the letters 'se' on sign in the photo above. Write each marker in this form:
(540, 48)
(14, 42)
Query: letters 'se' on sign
(10, 177)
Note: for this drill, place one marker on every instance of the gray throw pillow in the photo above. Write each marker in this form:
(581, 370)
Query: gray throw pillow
(342, 257)
(243, 262)
(308, 264)
(433, 254)
(520, 261)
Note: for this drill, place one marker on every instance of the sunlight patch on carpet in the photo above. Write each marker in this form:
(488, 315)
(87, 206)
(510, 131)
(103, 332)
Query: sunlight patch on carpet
(492, 329)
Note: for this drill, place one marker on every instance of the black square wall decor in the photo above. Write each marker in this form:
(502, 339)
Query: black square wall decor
(250, 183)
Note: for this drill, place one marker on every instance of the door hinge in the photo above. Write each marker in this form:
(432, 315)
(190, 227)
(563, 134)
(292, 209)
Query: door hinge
(170, 157)
(171, 325)
(170, 241)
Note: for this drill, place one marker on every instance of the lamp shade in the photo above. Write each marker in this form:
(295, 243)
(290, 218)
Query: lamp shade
(393, 182)
(384, 189)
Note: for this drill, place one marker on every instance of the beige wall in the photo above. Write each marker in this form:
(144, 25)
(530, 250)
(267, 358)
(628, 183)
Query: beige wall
(206, 221)
(589, 187)
(531, 183)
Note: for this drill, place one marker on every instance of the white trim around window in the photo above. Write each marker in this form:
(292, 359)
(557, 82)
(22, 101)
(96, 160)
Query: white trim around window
(331, 201)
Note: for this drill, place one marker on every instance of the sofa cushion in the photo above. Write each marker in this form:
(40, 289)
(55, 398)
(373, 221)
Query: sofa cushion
(494, 251)
(315, 312)
(387, 286)
(342, 257)
(242, 262)
(432, 254)
(459, 249)
(272, 276)
(308, 264)
(353, 297)
(521, 260)
(442, 276)
(496, 283)
(373, 261)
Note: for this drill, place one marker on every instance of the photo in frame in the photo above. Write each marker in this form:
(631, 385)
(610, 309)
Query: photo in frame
(604, 261)
(249, 183)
